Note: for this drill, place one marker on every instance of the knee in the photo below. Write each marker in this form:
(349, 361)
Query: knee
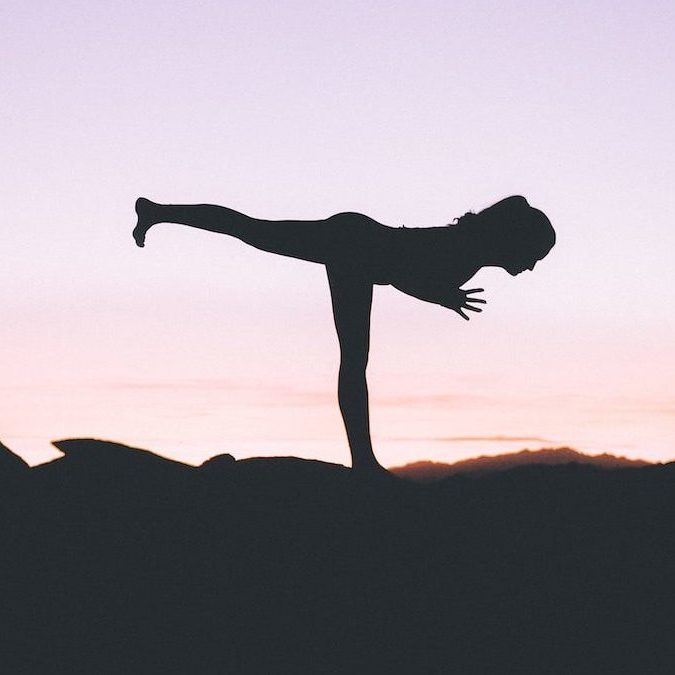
(353, 370)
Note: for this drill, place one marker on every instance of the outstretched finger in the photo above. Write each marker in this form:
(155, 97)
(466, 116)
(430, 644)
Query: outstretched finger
(473, 309)
(475, 290)
(461, 313)
(484, 302)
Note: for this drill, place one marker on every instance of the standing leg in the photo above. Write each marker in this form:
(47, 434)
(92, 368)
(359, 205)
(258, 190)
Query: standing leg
(352, 295)
(311, 240)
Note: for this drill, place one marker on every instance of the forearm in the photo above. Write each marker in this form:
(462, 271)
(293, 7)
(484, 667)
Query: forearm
(456, 299)
(426, 292)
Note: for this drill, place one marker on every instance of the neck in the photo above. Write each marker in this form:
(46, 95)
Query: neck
(478, 249)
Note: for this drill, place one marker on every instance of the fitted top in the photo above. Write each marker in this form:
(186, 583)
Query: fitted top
(398, 254)
(419, 253)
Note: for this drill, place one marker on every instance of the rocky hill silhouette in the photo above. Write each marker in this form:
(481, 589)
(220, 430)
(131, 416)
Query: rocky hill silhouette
(114, 560)
(432, 471)
(10, 464)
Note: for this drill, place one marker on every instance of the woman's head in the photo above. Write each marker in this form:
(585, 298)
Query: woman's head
(511, 233)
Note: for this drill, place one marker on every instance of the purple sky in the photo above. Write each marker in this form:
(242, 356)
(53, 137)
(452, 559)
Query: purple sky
(409, 112)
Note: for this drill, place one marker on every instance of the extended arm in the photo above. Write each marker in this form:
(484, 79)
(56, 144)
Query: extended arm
(445, 295)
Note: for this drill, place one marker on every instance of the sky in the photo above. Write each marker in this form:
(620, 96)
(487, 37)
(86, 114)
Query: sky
(409, 112)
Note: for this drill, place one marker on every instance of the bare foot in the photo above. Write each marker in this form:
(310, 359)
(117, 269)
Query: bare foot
(371, 469)
(144, 209)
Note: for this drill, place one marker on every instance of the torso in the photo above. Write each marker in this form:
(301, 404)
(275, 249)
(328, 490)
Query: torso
(422, 252)
(390, 254)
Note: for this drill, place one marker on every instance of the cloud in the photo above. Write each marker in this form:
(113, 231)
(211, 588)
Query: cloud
(174, 385)
(254, 391)
(479, 439)
(430, 400)
(308, 398)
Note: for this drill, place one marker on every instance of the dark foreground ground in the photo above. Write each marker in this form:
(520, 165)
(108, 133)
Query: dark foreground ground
(115, 561)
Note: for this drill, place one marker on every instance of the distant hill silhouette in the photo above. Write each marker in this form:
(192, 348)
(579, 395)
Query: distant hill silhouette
(115, 560)
(11, 464)
(14, 473)
(432, 471)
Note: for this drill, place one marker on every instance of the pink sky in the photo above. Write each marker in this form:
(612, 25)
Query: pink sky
(410, 112)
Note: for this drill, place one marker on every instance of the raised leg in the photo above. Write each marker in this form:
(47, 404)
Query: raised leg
(351, 294)
(338, 242)
(311, 240)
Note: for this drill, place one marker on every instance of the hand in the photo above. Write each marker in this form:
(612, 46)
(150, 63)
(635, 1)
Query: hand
(458, 300)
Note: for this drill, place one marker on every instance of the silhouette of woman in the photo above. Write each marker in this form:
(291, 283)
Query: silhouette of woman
(427, 263)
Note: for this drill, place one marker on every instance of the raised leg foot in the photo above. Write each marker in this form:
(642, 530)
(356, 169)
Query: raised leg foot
(145, 211)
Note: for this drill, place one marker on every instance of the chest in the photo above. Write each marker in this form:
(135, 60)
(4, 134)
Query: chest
(431, 253)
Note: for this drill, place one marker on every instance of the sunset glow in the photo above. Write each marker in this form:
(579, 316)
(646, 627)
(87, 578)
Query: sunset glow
(412, 113)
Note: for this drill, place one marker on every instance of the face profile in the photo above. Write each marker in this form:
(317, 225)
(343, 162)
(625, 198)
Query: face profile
(526, 261)
(515, 270)
(512, 235)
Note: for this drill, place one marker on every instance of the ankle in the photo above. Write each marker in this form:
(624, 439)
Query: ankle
(149, 212)
(366, 463)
